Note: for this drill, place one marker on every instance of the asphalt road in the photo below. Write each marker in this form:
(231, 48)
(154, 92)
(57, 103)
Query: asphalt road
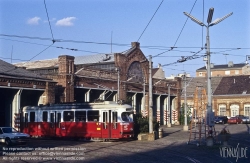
(172, 147)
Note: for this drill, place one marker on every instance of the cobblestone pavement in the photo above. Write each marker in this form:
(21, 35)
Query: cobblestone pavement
(172, 147)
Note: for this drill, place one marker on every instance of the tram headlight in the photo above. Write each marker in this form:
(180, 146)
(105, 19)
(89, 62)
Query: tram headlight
(131, 129)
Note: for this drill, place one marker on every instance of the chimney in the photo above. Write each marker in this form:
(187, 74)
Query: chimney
(135, 44)
(66, 64)
(159, 65)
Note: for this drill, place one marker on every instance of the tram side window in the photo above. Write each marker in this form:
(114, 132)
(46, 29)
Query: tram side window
(52, 118)
(32, 116)
(127, 117)
(58, 117)
(93, 115)
(68, 116)
(80, 116)
(45, 116)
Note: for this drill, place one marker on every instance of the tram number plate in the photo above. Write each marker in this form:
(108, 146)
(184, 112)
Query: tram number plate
(125, 127)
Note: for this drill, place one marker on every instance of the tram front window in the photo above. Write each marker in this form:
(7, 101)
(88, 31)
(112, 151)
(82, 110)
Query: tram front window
(127, 117)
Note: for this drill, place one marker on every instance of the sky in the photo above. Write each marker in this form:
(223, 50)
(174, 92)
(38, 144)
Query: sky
(87, 27)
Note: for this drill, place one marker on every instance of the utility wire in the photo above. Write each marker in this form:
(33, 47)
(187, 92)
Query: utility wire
(13, 59)
(59, 47)
(30, 59)
(49, 21)
(61, 40)
(117, 44)
(178, 35)
(150, 21)
(41, 52)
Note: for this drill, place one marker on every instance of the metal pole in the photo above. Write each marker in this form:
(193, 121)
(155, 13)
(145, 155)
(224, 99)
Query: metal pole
(118, 84)
(209, 91)
(169, 109)
(185, 127)
(150, 115)
(144, 98)
(185, 100)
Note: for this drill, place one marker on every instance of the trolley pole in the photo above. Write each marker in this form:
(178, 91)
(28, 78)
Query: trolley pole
(150, 115)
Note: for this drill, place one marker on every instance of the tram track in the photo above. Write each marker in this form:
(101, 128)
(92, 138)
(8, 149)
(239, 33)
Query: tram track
(179, 157)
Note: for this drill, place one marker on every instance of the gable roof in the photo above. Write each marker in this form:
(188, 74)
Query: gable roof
(48, 63)
(218, 67)
(9, 70)
(127, 52)
(53, 63)
(192, 82)
(96, 58)
(154, 70)
(234, 85)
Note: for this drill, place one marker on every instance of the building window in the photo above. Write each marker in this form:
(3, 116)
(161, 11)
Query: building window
(236, 72)
(227, 72)
(247, 110)
(234, 110)
(222, 110)
(200, 73)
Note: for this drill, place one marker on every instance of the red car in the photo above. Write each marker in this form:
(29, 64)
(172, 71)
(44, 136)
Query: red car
(234, 120)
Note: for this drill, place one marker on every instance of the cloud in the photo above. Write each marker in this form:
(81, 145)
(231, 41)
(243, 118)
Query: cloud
(33, 21)
(66, 21)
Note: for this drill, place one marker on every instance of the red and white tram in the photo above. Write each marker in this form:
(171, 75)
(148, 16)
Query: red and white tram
(104, 120)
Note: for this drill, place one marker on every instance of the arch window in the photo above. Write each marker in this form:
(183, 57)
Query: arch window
(247, 110)
(222, 110)
(234, 110)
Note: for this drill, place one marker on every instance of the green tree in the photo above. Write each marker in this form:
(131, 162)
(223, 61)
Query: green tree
(141, 124)
(182, 117)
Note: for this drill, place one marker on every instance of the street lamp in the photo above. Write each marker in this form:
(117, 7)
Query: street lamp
(210, 114)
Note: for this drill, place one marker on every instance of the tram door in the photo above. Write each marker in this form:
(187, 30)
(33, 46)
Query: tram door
(114, 125)
(105, 124)
(55, 119)
(109, 124)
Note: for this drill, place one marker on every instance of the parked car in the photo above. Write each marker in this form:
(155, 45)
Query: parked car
(245, 119)
(234, 120)
(9, 136)
(220, 119)
(240, 116)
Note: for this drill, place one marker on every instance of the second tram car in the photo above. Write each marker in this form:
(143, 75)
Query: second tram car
(104, 120)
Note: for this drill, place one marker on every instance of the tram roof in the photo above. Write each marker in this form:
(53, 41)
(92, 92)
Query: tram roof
(96, 105)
